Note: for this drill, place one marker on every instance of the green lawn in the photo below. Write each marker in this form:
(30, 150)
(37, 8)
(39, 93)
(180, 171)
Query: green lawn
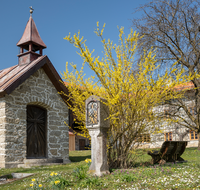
(74, 175)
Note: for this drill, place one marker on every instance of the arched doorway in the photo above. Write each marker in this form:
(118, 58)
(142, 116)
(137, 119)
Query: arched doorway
(36, 132)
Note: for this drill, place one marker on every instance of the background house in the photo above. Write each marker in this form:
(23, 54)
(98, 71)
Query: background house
(174, 131)
(79, 141)
(71, 141)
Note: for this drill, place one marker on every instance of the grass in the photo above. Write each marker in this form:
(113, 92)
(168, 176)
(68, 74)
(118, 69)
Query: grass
(169, 176)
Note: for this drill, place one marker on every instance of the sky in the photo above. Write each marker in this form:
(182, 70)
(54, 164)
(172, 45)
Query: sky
(55, 19)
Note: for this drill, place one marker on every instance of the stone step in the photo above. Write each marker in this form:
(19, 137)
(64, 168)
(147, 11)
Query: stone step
(43, 160)
(40, 162)
(37, 164)
(27, 163)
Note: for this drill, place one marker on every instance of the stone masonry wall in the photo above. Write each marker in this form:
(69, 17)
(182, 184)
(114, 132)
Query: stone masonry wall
(2, 132)
(36, 90)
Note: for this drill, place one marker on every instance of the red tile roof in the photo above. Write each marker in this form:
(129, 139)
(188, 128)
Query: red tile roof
(188, 85)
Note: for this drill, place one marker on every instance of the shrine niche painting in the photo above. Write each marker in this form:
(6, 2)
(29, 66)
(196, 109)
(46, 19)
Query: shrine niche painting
(36, 132)
(92, 113)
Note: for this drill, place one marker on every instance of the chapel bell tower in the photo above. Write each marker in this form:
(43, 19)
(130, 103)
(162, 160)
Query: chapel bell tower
(31, 44)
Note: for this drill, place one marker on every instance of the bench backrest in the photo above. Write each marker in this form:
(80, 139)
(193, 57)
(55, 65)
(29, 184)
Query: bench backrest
(173, 148)
(170, 147)
(180, 149)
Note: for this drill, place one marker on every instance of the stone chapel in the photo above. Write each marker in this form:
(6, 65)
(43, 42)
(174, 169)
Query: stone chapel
(32, 112)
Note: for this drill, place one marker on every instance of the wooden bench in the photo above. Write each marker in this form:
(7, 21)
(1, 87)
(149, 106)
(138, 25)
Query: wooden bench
(170, 151)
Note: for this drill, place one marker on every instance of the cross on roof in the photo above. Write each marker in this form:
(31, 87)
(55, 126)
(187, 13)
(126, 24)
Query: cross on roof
(31, 10)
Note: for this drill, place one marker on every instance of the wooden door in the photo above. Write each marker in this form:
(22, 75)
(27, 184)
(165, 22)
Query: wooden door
(36, 132)
(81, 144)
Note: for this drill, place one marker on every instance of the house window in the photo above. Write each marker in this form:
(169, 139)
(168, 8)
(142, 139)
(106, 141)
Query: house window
(168, 136)
(166, 114)
(144, 138)
(193, 111)
(193, 135)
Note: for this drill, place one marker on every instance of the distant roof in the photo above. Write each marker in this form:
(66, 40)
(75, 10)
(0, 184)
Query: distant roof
(31, 34)
(70, 133)
(78, 86)
(187, 85)
(12, 77)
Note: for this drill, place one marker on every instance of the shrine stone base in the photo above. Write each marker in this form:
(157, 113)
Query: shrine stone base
(98, 151)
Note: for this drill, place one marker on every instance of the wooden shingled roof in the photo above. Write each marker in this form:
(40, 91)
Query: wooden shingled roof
(12, 77)
(31, 34)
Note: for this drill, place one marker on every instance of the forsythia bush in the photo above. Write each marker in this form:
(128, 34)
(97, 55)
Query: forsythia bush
(131, 90)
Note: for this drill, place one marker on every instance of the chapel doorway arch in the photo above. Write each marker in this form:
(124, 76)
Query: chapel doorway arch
(36, 131)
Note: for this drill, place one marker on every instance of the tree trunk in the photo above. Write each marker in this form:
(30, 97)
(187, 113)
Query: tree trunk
(199, 140)
(197, 104)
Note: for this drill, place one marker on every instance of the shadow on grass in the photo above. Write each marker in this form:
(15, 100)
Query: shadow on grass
(79, 155)
(78, 158)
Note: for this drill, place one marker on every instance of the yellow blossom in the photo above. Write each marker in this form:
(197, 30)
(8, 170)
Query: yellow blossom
(31, 185)
(57, 182)
(40, 185)
(52, 174)
(33, 179)
(88, 160)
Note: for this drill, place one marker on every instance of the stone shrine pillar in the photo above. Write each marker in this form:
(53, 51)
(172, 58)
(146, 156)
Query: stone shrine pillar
(97, 123)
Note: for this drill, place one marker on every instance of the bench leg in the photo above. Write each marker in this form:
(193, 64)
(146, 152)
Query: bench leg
(180, 159)
(155, 159)
(168, 158)
(171, 160)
